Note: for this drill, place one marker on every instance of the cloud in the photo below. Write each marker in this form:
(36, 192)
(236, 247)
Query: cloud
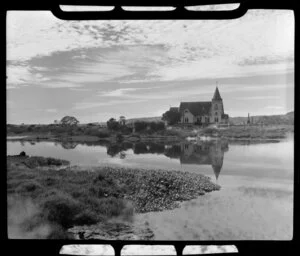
(20, 74)
(258, 97)
(118, 92)
(59, 84)
(157, 50)
(123, 92)
(51, 110)
(83, 56)
(87, 105)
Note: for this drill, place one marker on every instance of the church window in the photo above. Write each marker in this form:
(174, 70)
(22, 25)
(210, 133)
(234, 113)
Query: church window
(216, 107)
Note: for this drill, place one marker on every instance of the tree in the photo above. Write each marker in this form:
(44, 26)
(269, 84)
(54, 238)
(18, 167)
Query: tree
(157, 126)
(69, 121)
(171, 117)
(140, 126)
(112, 124)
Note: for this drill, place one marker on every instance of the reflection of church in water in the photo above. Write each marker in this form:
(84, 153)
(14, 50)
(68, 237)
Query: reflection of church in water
(201, 153)
(204, 154)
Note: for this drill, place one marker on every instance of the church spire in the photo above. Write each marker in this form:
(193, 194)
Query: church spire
(217, 95)
(217, 170)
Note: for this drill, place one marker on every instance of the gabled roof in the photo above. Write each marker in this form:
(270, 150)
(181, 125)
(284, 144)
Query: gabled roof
(217, 95)
(196, 108)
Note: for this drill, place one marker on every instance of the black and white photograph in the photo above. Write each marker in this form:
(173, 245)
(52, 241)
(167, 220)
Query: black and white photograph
(150, 129)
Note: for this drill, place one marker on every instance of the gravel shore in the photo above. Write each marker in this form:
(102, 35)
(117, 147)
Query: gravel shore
(158, 190)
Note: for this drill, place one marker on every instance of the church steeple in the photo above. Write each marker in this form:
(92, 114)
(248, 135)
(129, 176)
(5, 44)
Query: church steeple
(217, 170)
(217, 95)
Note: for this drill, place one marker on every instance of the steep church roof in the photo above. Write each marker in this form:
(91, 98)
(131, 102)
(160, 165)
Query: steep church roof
(196, 108)
(217, 95)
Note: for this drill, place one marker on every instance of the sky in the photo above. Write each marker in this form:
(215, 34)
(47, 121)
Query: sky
(95, 70)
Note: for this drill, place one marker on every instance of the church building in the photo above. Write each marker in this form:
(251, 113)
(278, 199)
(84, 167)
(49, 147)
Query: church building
(203, 112)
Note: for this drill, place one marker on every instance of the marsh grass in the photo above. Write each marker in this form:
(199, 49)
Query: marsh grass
(69, 197)
(249, 132)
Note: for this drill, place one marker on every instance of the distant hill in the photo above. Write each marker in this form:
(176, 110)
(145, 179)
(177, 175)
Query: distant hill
(146, 119)
(288, 118)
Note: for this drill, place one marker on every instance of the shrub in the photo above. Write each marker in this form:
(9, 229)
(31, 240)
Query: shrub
(210, 130)
(104, 186)
(61, 209)
(157, 126)
(87, 217)
(140, 148)
(29, 187)
(103, 134)
(112, 124)
(140, 126)
(119, 137)
(111, 206)
(94, 131)
(172, 117)
(36, 161)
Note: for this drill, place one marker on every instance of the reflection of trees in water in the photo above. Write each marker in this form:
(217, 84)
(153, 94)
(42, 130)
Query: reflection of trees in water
(69, 144)
(173, 151)
(201, 153)
(148, 148)
(115, 149)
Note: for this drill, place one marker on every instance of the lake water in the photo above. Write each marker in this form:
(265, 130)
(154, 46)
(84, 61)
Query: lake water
(256, 196)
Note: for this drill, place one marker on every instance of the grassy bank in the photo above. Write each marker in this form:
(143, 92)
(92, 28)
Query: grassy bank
(65, 197)
(250, 132)
(171, 134)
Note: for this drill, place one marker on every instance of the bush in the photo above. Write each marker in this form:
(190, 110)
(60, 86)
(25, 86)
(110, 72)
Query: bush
(103, 134)
(172, 117)
(210, 130)
(36, 161)
(94, 131)
(157, 126)
(87, 217)
(29, 187)
(104, 187)
(61, 209)
(111, 206)
(140, 126)
(119, 137)
(112, 124)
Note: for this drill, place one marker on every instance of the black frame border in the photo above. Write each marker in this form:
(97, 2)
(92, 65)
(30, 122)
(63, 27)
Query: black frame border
(52, 247)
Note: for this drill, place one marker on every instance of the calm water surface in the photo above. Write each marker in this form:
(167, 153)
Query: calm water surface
(255, 201)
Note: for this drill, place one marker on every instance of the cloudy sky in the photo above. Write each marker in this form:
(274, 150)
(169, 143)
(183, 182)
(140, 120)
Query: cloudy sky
(95, 70)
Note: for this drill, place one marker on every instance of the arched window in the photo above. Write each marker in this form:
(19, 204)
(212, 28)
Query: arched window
(216, 107)
(216, 113)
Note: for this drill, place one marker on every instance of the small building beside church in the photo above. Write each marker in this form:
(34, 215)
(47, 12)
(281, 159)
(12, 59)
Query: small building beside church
(203, 112)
